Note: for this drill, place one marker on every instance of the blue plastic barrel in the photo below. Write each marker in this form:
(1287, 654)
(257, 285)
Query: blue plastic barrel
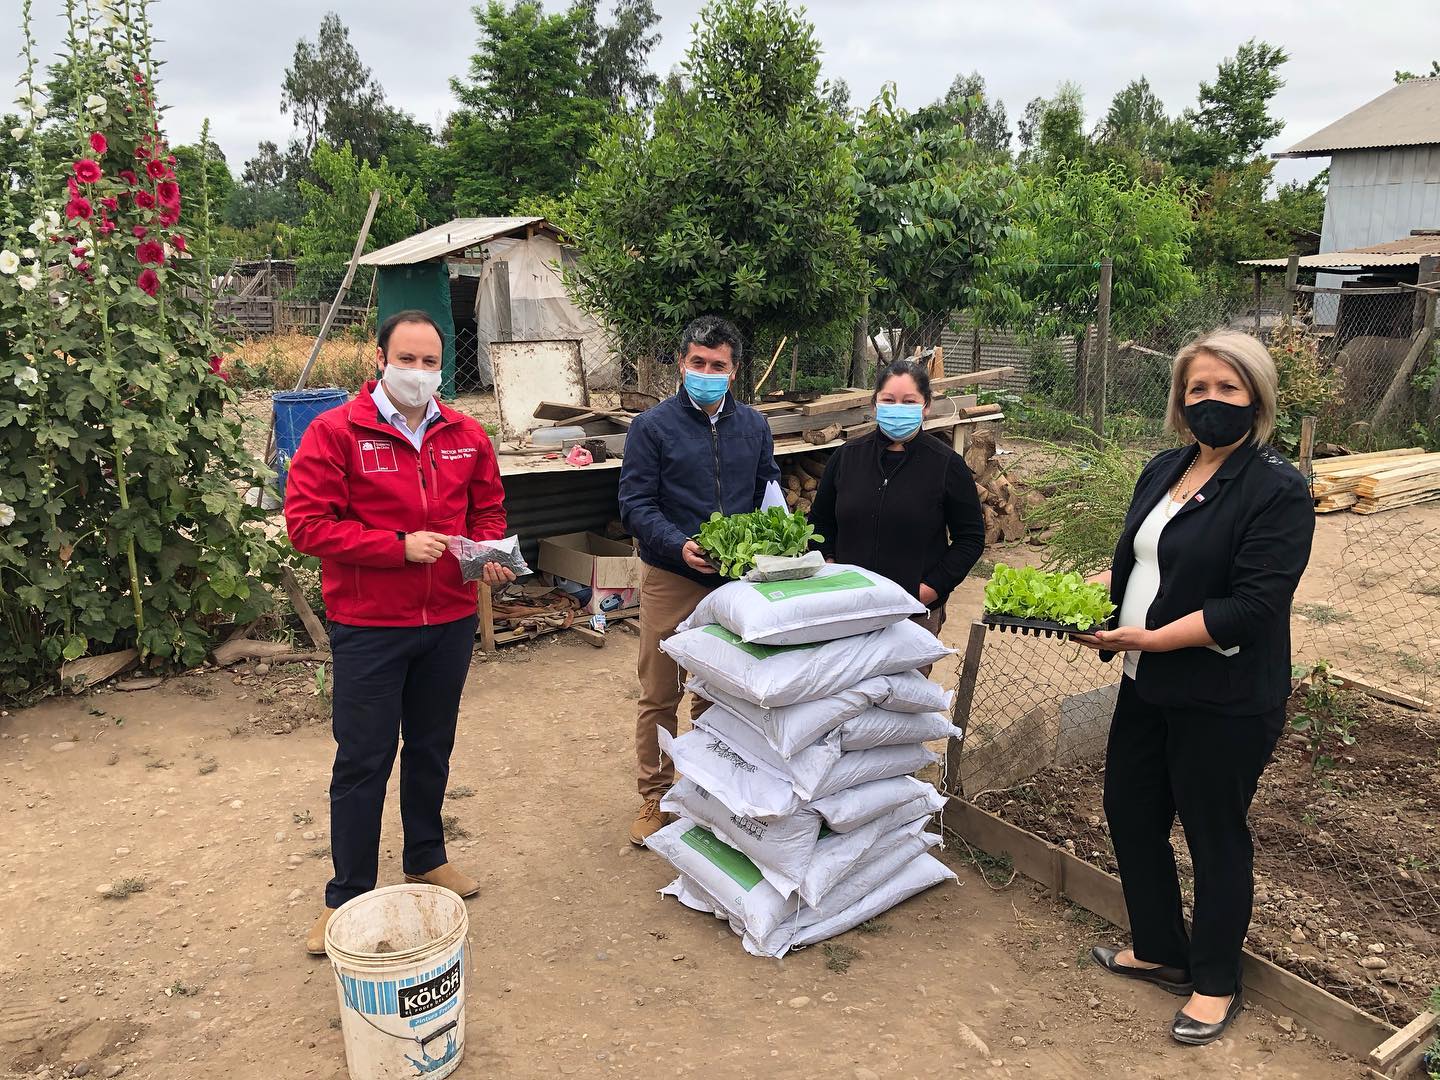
(294, 409)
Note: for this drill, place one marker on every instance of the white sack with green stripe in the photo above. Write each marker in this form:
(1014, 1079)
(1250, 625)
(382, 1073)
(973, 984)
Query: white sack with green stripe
(839, 601)
(793, 728)
(774, 675)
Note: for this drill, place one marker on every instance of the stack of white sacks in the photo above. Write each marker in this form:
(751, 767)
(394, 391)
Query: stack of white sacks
(799, 816)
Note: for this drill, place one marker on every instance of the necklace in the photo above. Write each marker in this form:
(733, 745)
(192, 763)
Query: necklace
(1179, 494)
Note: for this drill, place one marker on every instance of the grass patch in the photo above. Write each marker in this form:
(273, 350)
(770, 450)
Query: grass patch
(1324, 614)
(1087, 919)
(874, 926)
(129, 886)
(461, 791)
(982, 569)
(998, 870)
(838, 958)
(453, 829)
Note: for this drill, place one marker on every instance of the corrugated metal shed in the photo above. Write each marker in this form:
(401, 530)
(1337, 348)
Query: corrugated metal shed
(1408, 114)
(540, 504)
(450, 239)
(1407, 251)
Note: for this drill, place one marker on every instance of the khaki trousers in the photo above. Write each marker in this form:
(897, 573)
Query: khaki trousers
(666, 600)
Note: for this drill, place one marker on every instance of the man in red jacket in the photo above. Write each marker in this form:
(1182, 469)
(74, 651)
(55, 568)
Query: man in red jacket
(376, 490)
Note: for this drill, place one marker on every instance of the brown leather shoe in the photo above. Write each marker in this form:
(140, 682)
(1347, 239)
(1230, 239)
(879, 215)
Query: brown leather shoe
(447, 877)
(648, 822)
(315, 939)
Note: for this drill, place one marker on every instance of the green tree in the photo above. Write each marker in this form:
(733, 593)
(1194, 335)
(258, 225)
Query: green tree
(1136, 132)
(738, 200)
(615, 56)
(1053, 129)
(933, 215)
(1232, 120)
(269, 187)
(527, 118)
(1076, 217)
(217, 173)
(967, 104)
(335, 203)
(330, 93)
(1406, 76)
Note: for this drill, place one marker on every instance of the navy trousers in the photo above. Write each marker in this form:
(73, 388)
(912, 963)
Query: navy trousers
(391, 682)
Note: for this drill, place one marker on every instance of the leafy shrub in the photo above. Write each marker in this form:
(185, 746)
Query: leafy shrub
(1087, 493)
(1308, 386)
(1327, 721)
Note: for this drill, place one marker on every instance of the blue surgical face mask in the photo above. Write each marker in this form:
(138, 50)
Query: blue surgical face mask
(899, 422)
(706, 389)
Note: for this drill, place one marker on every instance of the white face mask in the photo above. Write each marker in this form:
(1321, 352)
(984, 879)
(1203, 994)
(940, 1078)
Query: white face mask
(412, 387)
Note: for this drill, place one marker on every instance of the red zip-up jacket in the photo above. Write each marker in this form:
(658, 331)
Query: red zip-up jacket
(356, 485)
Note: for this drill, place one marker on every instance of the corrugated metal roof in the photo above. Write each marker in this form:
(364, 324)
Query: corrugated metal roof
(453, 236)
(1407, 251)
(1408, 114)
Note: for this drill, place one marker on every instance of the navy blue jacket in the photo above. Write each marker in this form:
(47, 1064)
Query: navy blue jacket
(678, 469)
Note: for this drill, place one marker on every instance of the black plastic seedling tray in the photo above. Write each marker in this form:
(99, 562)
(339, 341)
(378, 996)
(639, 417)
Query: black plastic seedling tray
(1038, 627)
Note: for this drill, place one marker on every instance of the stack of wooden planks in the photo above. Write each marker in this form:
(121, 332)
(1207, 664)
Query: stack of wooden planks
(1370, 483)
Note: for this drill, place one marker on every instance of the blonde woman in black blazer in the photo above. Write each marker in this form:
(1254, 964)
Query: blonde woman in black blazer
(1214, 544)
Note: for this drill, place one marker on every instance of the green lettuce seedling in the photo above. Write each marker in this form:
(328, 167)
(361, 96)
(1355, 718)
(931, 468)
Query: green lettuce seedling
(1027, 593)
(734, 541)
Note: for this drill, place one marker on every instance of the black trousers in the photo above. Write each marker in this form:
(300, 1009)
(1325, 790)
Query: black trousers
(1204, 766)
(389, 682)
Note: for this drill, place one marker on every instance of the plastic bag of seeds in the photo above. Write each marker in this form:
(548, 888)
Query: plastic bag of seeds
(475, 555)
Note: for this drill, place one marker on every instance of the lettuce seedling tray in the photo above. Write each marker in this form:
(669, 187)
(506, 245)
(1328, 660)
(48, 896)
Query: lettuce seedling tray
(1039, 627)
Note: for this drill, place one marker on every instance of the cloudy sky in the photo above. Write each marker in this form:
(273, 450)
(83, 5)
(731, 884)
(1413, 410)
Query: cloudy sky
(226, 60)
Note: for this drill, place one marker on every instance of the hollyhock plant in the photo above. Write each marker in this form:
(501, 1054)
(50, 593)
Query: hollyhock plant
(99, 144)
(87, 171)
(145, 200)
(128, 175)
(168, 216)
(151, 252)
(79, 208)
(178, 241)
(168, 193)
(156, 169)
(148, 282)
(139, 231)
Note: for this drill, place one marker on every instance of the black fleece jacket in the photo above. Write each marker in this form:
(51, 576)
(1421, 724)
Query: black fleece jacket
(920, 523)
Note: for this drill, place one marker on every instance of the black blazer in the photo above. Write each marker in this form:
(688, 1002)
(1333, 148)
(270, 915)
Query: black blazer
(923, 525)
(1235, 551)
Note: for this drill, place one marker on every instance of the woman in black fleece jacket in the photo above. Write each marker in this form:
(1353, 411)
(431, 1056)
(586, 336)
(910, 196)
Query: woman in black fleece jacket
(901, 502)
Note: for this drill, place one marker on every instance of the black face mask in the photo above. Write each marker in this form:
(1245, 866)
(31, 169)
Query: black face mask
(1218, 423)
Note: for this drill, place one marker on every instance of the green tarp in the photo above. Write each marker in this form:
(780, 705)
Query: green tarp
(426, 287)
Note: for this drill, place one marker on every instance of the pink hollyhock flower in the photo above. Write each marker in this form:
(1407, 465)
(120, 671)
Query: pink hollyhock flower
(83, 269)
(99, 144)
(148, 282)
(178, 241)
(79, 207)
(139, 79)
(110, 202)
(87, 171)
(128, 175)
(145, 200)
(168, 216)
(168, 192)
(106, 226)
(142, 152)
(157, 170)
(151, 251)
(215, 365)
(139, 231)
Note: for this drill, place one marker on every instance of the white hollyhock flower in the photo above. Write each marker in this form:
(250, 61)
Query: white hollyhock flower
(27, 376)
(28, 253)
(113, 66)
(17, 133)
(104, 269)
(7, 515)
(39, 112)
(9, 262)
(96, 104)
(52, 219)
(27, 281)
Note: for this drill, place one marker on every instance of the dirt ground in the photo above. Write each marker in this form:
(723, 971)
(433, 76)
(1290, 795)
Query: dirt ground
(208, 793)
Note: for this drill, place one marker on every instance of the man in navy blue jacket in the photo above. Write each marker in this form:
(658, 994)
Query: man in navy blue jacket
(696, 452)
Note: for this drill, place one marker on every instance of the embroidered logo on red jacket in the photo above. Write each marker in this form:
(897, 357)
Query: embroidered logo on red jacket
(377, 455)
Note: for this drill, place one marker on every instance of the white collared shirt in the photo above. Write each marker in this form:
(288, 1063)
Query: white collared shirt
(396, 419)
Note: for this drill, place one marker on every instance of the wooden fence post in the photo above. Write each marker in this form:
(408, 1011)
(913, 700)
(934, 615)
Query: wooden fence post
(1259, 290)
(504, 317)
(1101, 367)
(964, 697)
(1292, 278)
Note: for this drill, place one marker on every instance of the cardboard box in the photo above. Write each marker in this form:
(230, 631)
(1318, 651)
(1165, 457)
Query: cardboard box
(609, 568)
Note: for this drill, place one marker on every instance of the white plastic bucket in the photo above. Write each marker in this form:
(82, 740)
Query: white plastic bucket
(399, 960)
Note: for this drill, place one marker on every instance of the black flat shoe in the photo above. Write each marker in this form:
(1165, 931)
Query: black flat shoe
(1191, 1032)
(1172, 979)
